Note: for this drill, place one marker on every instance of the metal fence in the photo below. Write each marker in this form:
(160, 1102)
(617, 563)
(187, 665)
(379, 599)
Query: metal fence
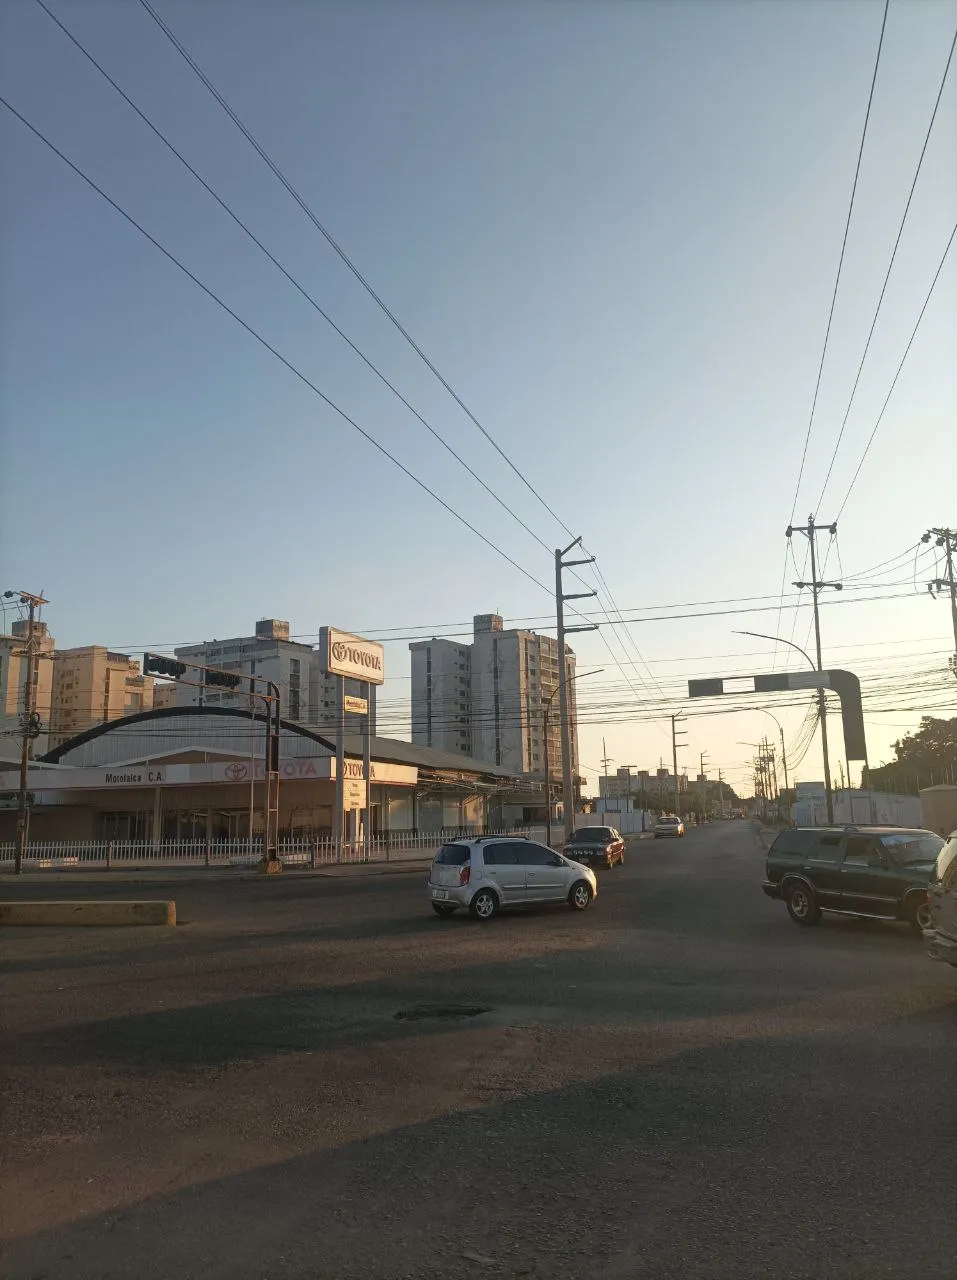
(297, 851)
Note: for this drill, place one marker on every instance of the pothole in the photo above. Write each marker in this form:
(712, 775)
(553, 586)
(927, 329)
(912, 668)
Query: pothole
(418, 1012)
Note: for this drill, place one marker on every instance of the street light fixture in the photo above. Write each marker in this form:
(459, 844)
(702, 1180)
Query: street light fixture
(546, 708)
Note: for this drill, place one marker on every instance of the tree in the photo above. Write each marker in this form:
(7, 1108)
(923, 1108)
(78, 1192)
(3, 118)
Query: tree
(924, 758)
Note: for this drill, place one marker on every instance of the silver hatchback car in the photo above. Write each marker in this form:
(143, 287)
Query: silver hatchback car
(487, 874)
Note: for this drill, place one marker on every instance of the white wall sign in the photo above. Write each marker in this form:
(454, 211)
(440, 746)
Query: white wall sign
(343, 654)
(353, 794)
(355, 706)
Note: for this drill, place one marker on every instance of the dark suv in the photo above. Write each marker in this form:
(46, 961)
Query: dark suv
(881, 872)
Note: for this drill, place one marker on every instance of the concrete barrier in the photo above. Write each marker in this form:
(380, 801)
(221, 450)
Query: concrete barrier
(75, 912)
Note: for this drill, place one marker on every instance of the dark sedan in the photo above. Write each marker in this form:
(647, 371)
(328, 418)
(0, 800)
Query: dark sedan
(596, 846)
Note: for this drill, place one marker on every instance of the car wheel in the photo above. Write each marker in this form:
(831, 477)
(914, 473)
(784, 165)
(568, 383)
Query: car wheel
(919, 916)
(442, 908)
(802, 907)
(579, 895)
(484, 905)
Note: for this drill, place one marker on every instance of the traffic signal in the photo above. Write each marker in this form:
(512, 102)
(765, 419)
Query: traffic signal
(156, 665)
(222, 679)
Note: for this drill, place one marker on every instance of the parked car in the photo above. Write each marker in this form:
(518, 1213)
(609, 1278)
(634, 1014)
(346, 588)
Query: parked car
(486, 875)
(881, 872)
(942, 933)
(669, 825)
(602, 846)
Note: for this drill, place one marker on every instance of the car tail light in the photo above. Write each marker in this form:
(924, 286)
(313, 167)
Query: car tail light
(465, 874)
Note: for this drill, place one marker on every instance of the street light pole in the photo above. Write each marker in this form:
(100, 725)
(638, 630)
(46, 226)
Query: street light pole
(546, 708)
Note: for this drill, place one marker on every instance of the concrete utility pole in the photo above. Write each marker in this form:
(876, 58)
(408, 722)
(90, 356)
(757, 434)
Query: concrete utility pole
(546, 708)
(816, 586)
(704, 793)
(29, 724)
(946, 538)
(674, 758)
(568, 792)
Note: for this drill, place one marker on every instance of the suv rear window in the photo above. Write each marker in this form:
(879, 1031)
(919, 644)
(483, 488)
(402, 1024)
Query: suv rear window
(453, 855)
(908, 847)
(792, 844)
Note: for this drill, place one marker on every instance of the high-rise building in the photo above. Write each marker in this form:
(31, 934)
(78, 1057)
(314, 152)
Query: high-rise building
(488, 699)
(307, 694)
(92, 685)
(13, 678)
(442, 695)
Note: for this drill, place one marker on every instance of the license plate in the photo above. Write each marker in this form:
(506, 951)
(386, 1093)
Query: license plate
(440, 895)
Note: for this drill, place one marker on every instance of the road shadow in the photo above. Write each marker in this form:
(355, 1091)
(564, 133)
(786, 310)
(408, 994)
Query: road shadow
(785, 1157)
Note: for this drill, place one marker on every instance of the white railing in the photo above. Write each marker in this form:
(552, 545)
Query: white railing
(294, 851)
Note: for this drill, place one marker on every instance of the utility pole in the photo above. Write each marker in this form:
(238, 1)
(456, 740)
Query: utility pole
(704, 792)
(568, 792)
(946, 538)
(721, 792)
(29, 724)
(816, 586)
(674, 759)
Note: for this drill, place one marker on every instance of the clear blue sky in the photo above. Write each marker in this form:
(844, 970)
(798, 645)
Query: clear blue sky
(614, 227)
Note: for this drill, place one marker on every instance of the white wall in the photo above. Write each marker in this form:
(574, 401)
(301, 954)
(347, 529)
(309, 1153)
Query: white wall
(855, 807)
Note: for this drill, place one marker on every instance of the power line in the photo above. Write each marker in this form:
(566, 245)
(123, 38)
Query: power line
(910, 342)
(224, 205)
(840, 264)
(890, 267)
(305, 294)
(273, 351)
(333, 244)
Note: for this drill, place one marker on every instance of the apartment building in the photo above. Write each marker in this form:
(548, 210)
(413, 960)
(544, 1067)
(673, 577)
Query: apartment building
(487, 699)
(442, 695)
(308, 695)
(92, 685)
(13, 677)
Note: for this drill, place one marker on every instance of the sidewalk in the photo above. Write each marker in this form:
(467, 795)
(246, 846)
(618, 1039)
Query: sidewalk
(209, 875)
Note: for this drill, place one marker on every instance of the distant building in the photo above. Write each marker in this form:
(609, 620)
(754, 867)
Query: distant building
(13, 676)
(641, 783)
(164, 695)
(307, 694)
(486, 699)
(92, 685)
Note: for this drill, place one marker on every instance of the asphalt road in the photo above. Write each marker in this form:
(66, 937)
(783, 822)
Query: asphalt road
(677, 1083)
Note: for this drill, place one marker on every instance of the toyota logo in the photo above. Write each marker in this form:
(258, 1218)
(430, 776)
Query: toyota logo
(236, 772)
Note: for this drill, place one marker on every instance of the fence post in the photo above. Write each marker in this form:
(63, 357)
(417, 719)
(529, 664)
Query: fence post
(207, 858)
(109, 854)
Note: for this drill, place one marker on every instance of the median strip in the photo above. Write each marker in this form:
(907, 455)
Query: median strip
(151, 911)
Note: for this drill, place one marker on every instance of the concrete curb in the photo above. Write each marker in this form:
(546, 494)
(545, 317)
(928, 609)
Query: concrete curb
(87, 913)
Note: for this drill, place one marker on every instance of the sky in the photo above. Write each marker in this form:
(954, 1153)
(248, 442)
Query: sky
(613, 227)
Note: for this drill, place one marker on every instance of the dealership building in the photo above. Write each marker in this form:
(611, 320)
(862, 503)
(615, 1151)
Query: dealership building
(181, 773)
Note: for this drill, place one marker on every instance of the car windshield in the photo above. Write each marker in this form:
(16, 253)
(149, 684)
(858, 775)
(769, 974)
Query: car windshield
(588, 835)
(453, 855)
(670, 821)
(909, 847)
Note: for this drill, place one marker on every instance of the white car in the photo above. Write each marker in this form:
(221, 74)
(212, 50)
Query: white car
(488, 874)
(942, 897)
(669, 825)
